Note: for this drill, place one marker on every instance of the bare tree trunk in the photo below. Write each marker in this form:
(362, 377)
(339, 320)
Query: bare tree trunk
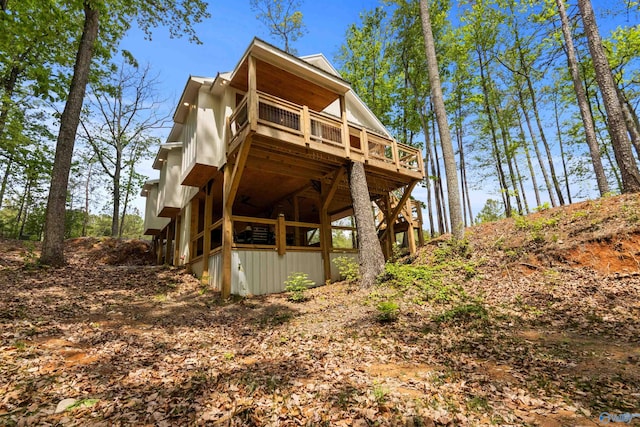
(115, 218)
(562, 156)
(583, 104)
(85, 220)
(5, 178)
(370, 256)
(442, 208)
(504, 190)
(521, 184)
(545, 175)
(633, 126)
(615, 118)
(53, 245)
(525, 146)
(453, 189)
(427, 162)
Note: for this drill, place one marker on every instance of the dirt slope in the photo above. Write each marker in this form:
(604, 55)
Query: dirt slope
(534, 322)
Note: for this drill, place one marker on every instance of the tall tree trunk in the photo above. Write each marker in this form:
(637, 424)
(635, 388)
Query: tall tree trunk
(440, 188)
(427, 162)
(521, 184)
(26, 211)
(115, 218)
(53, 245)
(532, 172)
(504, 190)
(453, 189)
(562, 156)
(615, 118)
(370, 256)
(85, 220)
(583, 104)
(536, 114)
(504, 134)
(631, 119)
(545, 175)
(5, 178)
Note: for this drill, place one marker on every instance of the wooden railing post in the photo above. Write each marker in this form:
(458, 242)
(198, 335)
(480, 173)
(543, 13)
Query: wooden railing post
(306, 125)
(345, 128)
(281, 235)
(364, 144)
(396, 156)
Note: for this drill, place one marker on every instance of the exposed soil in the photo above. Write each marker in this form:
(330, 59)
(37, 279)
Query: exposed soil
(538, 324)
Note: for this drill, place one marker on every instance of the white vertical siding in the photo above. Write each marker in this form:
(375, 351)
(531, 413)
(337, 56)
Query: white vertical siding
(189, 141)
(185, 233)
(215, 271)
(151, 219)
(172, 187)
(257, 272)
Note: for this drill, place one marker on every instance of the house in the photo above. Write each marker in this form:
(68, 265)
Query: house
(253, 183)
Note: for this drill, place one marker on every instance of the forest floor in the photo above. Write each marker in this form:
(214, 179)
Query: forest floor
(535, 321)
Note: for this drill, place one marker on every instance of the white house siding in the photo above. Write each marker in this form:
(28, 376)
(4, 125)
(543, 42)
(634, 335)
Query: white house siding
(189, 149)
(215, 271)
(151, 219)
(185, 233)
(256, 272)
(335, 274)
(210, 129)
(172, 189)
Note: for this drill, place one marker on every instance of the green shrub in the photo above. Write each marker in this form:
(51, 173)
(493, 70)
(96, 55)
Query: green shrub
(463, 313)
(348, 268)
(388, 311)
(296, 285)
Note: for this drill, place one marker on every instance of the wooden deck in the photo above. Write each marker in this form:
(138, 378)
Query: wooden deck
(298, 125)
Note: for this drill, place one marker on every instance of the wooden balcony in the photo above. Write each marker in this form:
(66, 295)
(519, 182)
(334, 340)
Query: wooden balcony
(298, 125)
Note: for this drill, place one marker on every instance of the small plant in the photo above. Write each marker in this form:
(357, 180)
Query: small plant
(348, 268)
(542, 207)
(380, 394)
(463, 313)
(296, 285)
(388, 311)
(229, 356)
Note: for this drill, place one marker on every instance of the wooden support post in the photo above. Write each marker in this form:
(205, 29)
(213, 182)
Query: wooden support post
(388, 232)
(208, 219)
(296, 218)
(411, 236)
(177, 240)
(168, 253)
(420, 224)
(193, 229)
(325, 221)
(345, 127)
(252, 93)
(281, 235)
(227, 235)
(396, 210)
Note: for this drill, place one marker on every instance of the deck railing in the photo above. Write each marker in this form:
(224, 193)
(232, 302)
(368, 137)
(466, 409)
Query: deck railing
(325, 133)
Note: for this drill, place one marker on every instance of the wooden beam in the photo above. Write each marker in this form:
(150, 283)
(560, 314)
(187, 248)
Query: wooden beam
(326, 199)
(345, 127)
(252, 93)
(227, 236)
(208, 219)
(399, 206)
(231, 187)
(281, 235)
(325, 220)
